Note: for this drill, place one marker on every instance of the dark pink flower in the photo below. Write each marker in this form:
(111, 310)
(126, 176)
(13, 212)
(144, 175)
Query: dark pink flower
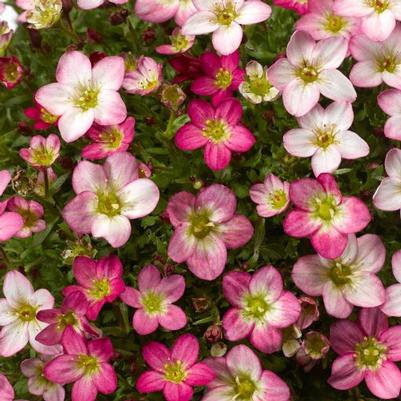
(42, 118)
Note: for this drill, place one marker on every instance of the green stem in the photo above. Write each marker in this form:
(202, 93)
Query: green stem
(46, 176)
(168, 131)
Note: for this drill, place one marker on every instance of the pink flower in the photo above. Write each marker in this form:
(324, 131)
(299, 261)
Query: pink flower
(175, 371)
(390, 102)
(145, 78)
(217, 129)
(223, 76)
(324, 215)
(31, 213)
(314, 347)
(154, 301)
(309, 70)
(240, 376)
(346, 281)
(271, 197)
(378, 17)
(37, 383)
(205, 226)
(179, 43)
(322, 22)
(108, 140)
(300, 6)
(309, 312)
(99, 280)
(387, 196)
(261, 308)
(108, 197)
(392, 305)
(367, 351)
(91, 4)
(378, 62)
(41, 117)
(224, 19)
(85, 95)
(18, 315)
(325, 135)
(11, 72)
(42, 152)
(86, 365)
(6, 389)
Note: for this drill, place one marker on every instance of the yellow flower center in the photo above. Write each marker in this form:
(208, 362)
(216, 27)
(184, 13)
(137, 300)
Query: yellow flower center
(175, 372)
(245, 388)
(26, 312)
(334, 23)
(179, 42)
(225, 14)
(108, 203)
(152, 303)
(325, 136)
(47, 117)
(255, 307)
(340, 274)
(277, 199)
(89, 364)
(308, 73)
(370, 354)
(87, 98)
(324, 208)
(388, 63)
(113, 137)
(223, 78)
(379, 5)
(216, 131)
(100, 289)
(200, 224)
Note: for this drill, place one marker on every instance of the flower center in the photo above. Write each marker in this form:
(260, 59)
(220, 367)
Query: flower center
(152, 303)
(200, 224)
(179, 42)
(259, 86)
(325, 208)
(308, 74)
(216, 130)
(370, 354)
(245, 388)
(26, 313)
(100, 289)
(11, 72)
(340, 274)
(315, 345)
(379, 5)
(225, 14)
(113, 137)
(325, 136)
(223, 78)
(175, 372)
(334, 23)
(108, 203)
(68, 319)
(43, 156)
(277, 199)
(45, 14)
(47, 117)
(29, 217)
(255, 307)
(87, 98)
(89, 364)
(388, 63)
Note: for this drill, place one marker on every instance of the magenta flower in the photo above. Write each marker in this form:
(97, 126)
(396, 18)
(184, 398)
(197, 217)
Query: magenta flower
(174, 372)
(85, 95)
(99, 280)
(154, 301)
(42, 152)
(179, 43)
(86, 365)
(347, 280)
(41, 117)
(217, 129)
(240, 376)
(392, 304)
(223, 76)
(261, 308)
(205, 226)
(300, 6)
(108, 197)
(367, 351)
(11, 72)
(324, 216)
(390, 102)
(107, 140)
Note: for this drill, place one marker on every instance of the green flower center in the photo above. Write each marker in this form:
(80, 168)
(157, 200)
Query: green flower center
(340, 274)
(379, 5)
(108, 203)
(29, 217)
(43, 156)
(388, 63)
(200, 224)
(255, 307)
(68, 319)
(152, 303)
(113, 137)
(225, 15)
(11, 72)
(277, 199)
(216, 130)
(308, 74)
(223, 78)
(315, 345)
(87, 98)
(326, 136)
(370, 354)
(179, 42)
(89, 364)
(324, 208)
(175, 372)
(334, 23)
(47, 117)
(245, 388)
(259, 86)
(26, 313)
(100, 289)
(45, 14)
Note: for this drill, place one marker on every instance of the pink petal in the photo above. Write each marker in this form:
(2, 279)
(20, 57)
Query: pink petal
(150, 382)
(199, 111)
(88, 176)
(217, 156)
(106, 380)
(392, 339)
(179, 207)
(373, 321)
(199, 375)
(156, 355)
(392, 304)
(110, 109)
(365, 75)
(74, 345)
(131, 297)
(241, 139)
(55, 98)
(336, 86)
(5, 178)
(186, 349)
(387, 195)
(310, 275)
(200, 23)
(299, 98)
(143, 323)
(267, 280)
(396, 265)
(235, 327)
(10, 224)
(344, 336)
(174, 318)
(189, 137)
(299, 224)
(84, 269)
(172, 287)
(351, 145)
(182, 244)
(281, 73)
(367, 291)
(344, 374)
(227, 39)
(242, 359)
(177, 392)
(115, 230)
(17, 288)
(13, 338)
(84, 390)
(236, 232)
(329, 243)
(235, 284)
(230, 111)
(300, 47)
(274, 388)
(378, 26)
(109, 72)
(7, 314)
(355, 215)
(285, 311)
(335, 302)
(385, 382)
(68, 74)
(74, 123)
(253, 12)
(266, 338)
(303, 191)
(63, 369)
(390, 101)
(121, 169)
(79, 212)
(300, 142)
(101, 348)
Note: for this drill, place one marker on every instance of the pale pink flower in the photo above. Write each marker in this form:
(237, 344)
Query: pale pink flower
(347, 281)
(6, 389)
(205, 226)
(390, 102)
(179, 43)
(368, 350)
(271, 197)
(224, 18)
(309, 312)
(309, 70)
(240, 376)
(108, 197)
(325, 216)
(91, 4)
(324, 135)
(217, 129)
(378, 17)
(42, 152)
(392, 305)
(314, 347)
(300, 6)
(154, 301)
(175, 371)
(84, 95)
(261, 308)
(18, 315)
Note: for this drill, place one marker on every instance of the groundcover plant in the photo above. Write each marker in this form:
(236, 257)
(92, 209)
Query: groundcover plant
(199, 200)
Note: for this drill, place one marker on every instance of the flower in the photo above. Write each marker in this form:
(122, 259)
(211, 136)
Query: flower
(42, 118)
(31, 213)
(86, 365)
(37, 384)
(390, 102)
(309, 312)
(313, 348)
(186, 67)
(271, 197)
(347, 280)
(392, 305)
(174, 371)
(179, 43)
(256, 87)
(322, 22)
(205, 226)
(224, 19)
(309, 70)
(378, 62)
(108, 197)
(40, 14)
(172, 96)
(85, 95)
(154, 301)
(239, 376)
(108, 140)
(261, 308)
(91, 4)
(223, 76)
(324, 215)
(42, 152)
(300, 6)
(378, 17)
(11, 72)
(99, 280)
(6, 34)
(6, 389)
(387, 196)
(145, 78)
(217, 129)
(325, 135)
(367, 351)
(18, 315)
